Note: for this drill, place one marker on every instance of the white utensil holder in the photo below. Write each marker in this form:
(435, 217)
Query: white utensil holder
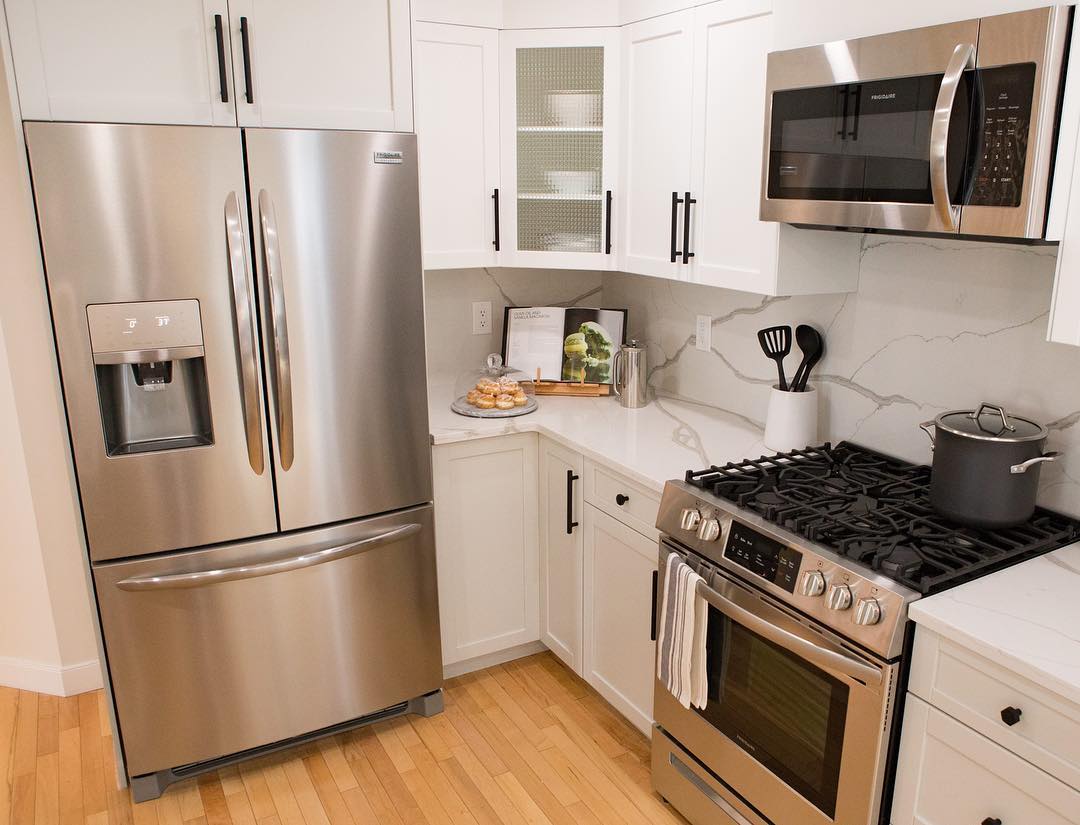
(792, 420)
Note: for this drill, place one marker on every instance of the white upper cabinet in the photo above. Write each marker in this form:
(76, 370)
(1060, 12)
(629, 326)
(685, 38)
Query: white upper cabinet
(657, 57)
(731, 247)
(331, 64)
(323, 64)
(559, 112)
(125, 61)
(456, 80)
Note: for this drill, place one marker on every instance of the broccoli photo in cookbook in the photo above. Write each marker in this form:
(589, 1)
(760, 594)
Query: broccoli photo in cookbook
(564, 344)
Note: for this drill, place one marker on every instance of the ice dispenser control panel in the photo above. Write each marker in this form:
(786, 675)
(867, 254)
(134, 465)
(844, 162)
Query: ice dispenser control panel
(145, 325)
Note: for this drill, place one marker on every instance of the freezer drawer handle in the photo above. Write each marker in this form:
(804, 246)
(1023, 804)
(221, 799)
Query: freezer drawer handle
(174, 581)
(245, 332)
(279, 327)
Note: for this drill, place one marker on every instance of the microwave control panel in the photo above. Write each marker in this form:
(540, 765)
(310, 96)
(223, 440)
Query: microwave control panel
(1006, 92)
(773, 561)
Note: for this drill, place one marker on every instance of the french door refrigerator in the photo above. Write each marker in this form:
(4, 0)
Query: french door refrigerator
(250, 439)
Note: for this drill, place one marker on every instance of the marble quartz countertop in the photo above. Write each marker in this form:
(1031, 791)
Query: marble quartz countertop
(1025, 618)
(652, 444)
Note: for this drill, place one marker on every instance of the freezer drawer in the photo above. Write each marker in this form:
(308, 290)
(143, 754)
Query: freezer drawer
(216, 651)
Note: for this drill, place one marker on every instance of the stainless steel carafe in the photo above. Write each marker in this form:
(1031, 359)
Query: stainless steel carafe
(630, 378)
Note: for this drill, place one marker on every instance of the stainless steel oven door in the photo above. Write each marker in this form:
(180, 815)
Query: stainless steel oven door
(796, 724)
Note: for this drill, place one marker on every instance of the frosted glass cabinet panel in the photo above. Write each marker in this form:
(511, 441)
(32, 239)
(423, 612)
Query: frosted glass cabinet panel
(559, 97)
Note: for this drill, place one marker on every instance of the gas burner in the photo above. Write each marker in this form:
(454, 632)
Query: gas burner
(875, 510)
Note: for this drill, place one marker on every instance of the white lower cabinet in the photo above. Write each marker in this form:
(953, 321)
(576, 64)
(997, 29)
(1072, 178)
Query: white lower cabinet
(620, 564)
(560, 551)
(486, 530)
(951, 775)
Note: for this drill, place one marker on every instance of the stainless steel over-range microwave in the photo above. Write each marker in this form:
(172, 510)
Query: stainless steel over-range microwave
(947, 129)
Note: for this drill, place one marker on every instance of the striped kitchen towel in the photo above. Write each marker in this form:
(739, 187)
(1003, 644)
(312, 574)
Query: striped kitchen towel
(680, 647)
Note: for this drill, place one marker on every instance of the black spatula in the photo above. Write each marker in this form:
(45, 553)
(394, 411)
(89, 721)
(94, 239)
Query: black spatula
(813, 347)
(776, 344)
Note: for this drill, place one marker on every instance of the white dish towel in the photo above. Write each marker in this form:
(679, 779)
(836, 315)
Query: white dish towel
(680, 647)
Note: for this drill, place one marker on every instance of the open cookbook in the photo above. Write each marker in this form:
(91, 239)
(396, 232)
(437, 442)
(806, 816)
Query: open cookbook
(564, 343)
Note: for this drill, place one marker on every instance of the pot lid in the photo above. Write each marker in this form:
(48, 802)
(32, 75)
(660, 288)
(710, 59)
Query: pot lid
(990, 422)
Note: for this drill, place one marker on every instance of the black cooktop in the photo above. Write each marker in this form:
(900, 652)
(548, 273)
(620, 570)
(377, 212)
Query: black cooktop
(875, 509)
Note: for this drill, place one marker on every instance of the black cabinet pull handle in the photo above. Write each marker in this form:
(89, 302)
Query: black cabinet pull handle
(620, 499)
(991, 820)
(607, 223)
(655, 585)
(675, 201)
(1010, 715)
(570, 523)
(495, 198)
(223, 80)
(686, 253)
(245, 41)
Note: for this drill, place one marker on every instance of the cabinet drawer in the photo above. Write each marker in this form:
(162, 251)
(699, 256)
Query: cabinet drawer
(950, 775)
(976, 691)
(605, 489)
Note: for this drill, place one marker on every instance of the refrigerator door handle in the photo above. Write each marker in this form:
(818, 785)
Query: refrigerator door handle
(244, 316)
(279, 328)
(176, 581)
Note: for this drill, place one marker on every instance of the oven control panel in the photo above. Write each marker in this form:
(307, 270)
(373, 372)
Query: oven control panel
(1007, 93)
(768, 558)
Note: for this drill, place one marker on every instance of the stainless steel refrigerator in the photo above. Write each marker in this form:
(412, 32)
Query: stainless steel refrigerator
(250, 439)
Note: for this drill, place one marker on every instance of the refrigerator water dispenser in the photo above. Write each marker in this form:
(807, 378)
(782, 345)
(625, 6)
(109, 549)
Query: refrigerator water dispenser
(150, 366)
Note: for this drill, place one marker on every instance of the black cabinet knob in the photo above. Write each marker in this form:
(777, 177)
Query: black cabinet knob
(1010, 716)
(620, 499)
(991, 820)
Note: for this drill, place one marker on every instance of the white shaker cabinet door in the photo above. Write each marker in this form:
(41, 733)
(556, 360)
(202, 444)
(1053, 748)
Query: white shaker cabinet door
(456, 85)
(487, 549)
(657, 60)
(561, 503)
(323, 64)
(620, 654)
(125, 61)
(732, 247)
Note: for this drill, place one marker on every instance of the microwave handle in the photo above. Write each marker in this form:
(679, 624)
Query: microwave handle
(963, 58)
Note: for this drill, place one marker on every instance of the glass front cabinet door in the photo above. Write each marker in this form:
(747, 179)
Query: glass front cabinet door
(559, 125)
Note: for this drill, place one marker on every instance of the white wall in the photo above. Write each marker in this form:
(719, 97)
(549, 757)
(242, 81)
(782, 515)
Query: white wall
(47, 637)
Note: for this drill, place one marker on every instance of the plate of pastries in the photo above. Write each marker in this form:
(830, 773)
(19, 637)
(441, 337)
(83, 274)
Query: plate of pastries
(500, 397)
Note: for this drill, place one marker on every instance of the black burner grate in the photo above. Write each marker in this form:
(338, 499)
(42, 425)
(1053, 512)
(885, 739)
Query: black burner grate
(876, 510)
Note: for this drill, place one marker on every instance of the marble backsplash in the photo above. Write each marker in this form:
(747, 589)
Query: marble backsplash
(448, 298)
(935, 325)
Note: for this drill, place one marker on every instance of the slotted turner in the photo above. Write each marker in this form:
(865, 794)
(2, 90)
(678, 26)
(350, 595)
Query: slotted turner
(776, 344)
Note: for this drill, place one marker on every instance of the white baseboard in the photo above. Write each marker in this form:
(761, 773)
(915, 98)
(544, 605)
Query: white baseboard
(492, 659)
(39, 677)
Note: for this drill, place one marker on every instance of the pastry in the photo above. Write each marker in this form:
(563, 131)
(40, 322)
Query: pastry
(471, 397)
(505, 402)
(485, 402)
(520, 399)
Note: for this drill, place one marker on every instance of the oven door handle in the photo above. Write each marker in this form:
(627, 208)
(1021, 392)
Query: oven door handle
(804, 648)
(963, 58)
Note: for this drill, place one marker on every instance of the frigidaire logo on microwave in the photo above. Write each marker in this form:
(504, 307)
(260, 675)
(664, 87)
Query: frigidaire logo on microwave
(884, 96)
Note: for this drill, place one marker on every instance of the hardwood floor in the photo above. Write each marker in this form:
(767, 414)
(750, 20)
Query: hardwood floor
(526, 743)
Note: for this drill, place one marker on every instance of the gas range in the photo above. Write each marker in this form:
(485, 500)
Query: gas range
(843, 534)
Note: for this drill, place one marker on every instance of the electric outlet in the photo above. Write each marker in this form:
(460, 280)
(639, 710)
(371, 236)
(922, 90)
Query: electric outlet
(481, 318)
(703, 333)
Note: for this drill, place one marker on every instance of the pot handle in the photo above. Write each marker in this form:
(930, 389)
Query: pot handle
(1000, 411)
(928, 428)
(1016, 469)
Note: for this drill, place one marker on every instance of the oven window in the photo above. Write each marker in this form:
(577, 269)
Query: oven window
(866, 141)
(787, 714)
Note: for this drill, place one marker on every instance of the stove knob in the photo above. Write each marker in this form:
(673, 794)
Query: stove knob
(812, 583)
(709, 530)
(690, 519)
(867, 611)
(839, 597)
